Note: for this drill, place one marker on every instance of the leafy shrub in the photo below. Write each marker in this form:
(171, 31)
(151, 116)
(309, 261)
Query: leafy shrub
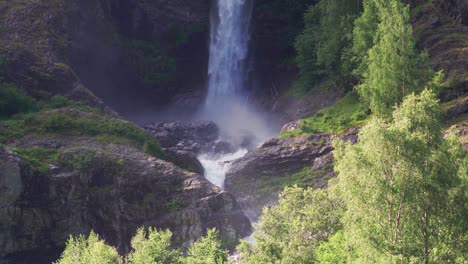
(149, 246)
(208, 250)
(89, 250)
(153, 246)
(290, 231)
(13, 101)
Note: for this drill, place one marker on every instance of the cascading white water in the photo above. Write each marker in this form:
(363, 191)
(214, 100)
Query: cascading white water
(228, 82)
(228, 75)
(216, 166)
(229, 50)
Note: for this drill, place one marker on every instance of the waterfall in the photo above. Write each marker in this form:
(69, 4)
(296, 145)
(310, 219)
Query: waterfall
(228, 71)
(229, 52)
(228, 86)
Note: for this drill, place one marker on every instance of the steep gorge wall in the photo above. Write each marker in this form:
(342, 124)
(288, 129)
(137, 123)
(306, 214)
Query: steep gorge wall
(135, 52)
(140, 52)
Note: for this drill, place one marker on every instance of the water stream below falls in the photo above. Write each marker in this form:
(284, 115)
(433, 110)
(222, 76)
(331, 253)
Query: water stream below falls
(216, 165)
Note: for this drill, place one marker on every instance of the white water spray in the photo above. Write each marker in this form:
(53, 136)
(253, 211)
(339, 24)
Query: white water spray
(216, 166)
(229, 50)
(229, 78)
(228, 85)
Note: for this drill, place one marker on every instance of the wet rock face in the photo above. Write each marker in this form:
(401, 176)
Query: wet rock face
(112, 190)
(195, 137)
(185, 160)
(276, 160)
(108, 39)
(67, 47)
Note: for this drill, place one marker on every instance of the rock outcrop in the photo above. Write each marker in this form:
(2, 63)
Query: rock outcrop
(194, 137)
(441, 28)
(112, 189)
(258, 177)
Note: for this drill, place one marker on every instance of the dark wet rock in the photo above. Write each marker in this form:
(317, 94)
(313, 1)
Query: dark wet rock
(184, 159)
(195, 137)
(459, 108)
(223, 147)
(276, 161)
(112, 189)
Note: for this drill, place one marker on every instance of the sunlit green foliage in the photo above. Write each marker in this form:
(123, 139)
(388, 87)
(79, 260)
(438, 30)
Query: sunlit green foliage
(153, 246)
(334, 250)
(394, 67)
(364, 35)
(290, 231)
(208, 250)
(399, 197)
(149, 246)
(91, 250)
(345, 113)
(398, 184)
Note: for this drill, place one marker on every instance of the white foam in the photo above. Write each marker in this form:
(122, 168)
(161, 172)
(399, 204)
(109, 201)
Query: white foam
(216, 166)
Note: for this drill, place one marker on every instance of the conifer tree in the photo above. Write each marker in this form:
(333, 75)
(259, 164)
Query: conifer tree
(394, 67)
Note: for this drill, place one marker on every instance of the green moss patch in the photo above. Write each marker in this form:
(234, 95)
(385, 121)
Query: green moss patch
(303, 178)
(23, 115)
(345, 113)
(37, 158)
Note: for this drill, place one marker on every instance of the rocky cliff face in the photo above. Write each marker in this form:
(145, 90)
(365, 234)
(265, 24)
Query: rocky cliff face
(441, 29)
(139, 51)
(33, 49)
(110, 188)
(123, 51)
(258, 177)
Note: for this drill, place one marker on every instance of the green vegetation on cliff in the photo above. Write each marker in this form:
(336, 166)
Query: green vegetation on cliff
(399, 197)
(22, 115)
(373, 49)
(394, 67)
(322, 46)
(347, 112)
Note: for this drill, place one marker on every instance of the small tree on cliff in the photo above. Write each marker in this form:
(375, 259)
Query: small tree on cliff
(153, 246)
(394, 67)
(290, 231)
(91, 250)
(208, 250)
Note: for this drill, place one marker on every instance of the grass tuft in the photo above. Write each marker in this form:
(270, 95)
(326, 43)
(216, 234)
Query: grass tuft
(345, 113)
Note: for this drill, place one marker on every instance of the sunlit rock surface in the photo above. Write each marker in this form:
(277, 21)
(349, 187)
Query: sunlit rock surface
(257, 178)
(112, 189)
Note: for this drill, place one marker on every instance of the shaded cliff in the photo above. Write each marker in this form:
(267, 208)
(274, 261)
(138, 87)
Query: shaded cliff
(126, 52)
